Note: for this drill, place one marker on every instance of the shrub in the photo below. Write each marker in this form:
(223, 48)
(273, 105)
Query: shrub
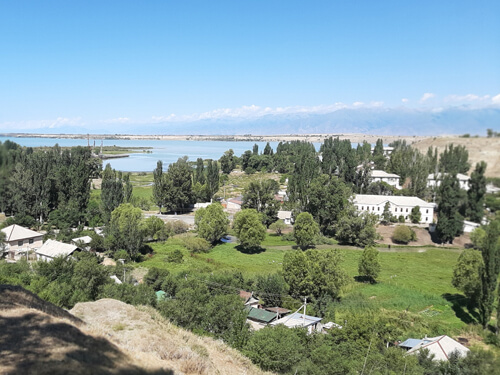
(403, 234)
(175, 256)
(177, 227)
(196, 245)
(401, 219)
(121, 254)
(278, 227)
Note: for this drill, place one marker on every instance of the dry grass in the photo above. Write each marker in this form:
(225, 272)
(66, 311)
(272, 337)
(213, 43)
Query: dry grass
(153, 342)
(487, 149)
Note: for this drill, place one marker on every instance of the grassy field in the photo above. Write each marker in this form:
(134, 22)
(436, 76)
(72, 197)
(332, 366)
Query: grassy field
(414, 280)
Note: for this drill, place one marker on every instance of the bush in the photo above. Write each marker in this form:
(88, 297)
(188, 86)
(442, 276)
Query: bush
(288, 237)
(403, 234)
(175, 256)
(177, 227)
(121, 254)
(196, 245)
(401, 219)
(278, 227)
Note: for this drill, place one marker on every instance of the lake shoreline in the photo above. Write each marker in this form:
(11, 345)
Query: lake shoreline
(319, 138)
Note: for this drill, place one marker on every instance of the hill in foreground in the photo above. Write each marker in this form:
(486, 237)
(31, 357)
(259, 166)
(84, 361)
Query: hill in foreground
(103, 337)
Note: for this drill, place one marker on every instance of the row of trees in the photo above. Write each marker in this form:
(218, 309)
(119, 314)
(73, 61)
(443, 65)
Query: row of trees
(36, 183)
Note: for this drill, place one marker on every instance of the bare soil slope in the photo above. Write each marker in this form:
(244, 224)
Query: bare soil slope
(487, 149)
(423, 237)
(107, 337)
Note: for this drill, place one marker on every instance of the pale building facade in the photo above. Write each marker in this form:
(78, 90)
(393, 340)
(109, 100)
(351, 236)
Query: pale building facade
(398, 206)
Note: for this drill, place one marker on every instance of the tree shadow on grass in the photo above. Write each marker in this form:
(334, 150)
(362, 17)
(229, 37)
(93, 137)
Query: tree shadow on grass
(250, 250)
(461, 307)
(365, 279)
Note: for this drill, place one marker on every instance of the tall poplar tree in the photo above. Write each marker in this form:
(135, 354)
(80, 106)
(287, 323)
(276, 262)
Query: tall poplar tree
(159, 186)
(111, 192)
(476, 193)
(450, 222)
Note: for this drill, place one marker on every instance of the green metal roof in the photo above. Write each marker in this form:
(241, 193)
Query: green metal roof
(161, 295)
(260, 315)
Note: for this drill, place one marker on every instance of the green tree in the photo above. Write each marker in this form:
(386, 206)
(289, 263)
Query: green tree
(466, 275)
(327, 200)
(211, 222)
(212, 179)
(454, 160)
(403, 234)
(178, 185)
(259, 195)
(272, 288)
(305, 230)
(476, 193)
(111, 191)
(314, 273)
(415, 215)
(249, 228)
(356, 228)
(387, 215)
(153, 228)
(127, 189)
(278, 227)
(227, 162)
(490, 251)
(159, 186)
(450, 222)
(124, 230)
(199, 172)
(277, 349)
(369, 265)
(3, 246)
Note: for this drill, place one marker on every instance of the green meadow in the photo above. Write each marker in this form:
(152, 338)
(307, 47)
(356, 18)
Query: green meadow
(416, 282)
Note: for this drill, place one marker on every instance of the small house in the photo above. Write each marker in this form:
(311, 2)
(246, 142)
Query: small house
(299, 320)
(286, 216)
(434, 180)
(248, 298)
(382, 176)
(83, 242)
(259, 318)
(234, 204)
(20, 240)
(469, 226)
(52, 249)
(440, 347)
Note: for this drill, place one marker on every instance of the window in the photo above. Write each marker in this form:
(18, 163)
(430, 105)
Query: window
(426, 219)
(362, 208)
(378, 208)
(373, 208)
(31, 241)
(406, 210)
(19, 243)
(427, 211)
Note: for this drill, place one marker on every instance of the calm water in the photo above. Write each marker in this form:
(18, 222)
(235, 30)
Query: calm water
(166, 151)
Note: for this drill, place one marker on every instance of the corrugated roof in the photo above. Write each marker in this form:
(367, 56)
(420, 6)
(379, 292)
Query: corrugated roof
(279, 310)
(297, 320)
(441, 347)
(85, 239)
(260, 315)
(395, 200)
(284, 215)
(53, 248)
(439, 176)
(16, 232)
(376, 173)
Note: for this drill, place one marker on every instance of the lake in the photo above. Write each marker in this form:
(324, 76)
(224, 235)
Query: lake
(166, 151)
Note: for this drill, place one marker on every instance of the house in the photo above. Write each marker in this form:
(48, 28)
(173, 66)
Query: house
(82, 241)
(234, 204)
(492, 189)
(398, 205)
(299, 320)
(387, 150)
(52, 249)
(434, 180)
(278, 311)
(382, 176)
(469, 226)
(259, 318)
(20, 240)
(441, 347)
(286, 216)
(248, 298)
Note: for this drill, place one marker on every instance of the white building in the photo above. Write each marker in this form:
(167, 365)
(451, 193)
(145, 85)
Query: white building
(382, 176)
(441, 347)
(286, 216)
(52, 249)
(20, 241)
(469, 226)
(398, 205)
(387, 150)
(434, 180)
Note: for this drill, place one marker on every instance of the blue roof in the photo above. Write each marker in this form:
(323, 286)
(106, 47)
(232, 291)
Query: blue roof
(410, 343)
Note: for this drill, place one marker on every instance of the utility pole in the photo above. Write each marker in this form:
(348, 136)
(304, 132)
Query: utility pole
(304, 315)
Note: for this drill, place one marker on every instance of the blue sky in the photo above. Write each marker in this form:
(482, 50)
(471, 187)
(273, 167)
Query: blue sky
(98, 64)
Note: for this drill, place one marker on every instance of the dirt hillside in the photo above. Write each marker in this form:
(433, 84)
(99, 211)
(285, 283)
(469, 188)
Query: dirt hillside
(487, 149)
(105, 337)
